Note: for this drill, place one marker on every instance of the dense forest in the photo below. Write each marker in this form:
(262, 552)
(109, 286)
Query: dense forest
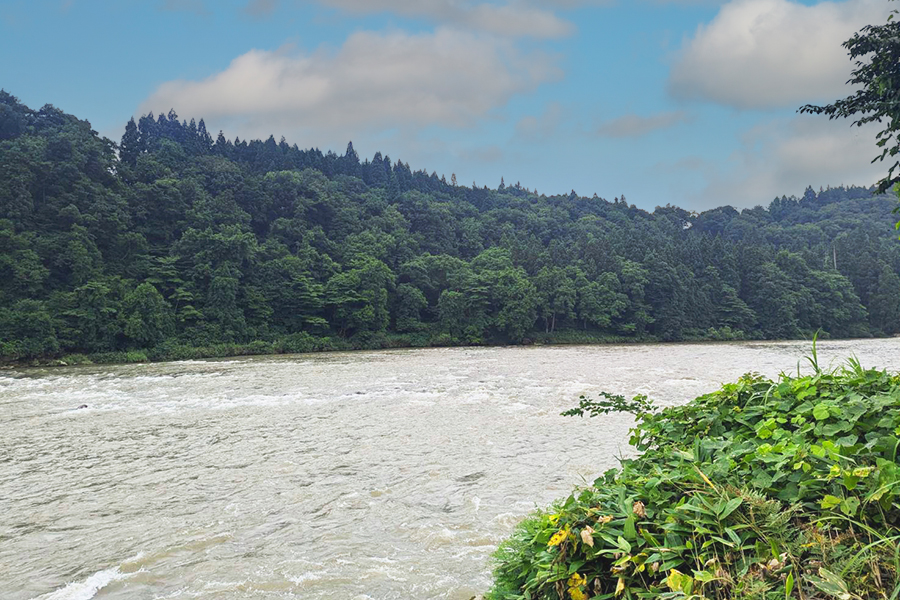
(174, 244)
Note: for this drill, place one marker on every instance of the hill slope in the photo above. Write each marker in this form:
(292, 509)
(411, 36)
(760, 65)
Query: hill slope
(179, 241)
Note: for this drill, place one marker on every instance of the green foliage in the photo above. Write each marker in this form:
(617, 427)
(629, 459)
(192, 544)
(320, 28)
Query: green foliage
(147, 316)
(580, 337)
(764, 489)
(885, 306)
(132, 356)
(135, 357)
(76, 359)
(875, 49)
(177, 242)
(27, 330)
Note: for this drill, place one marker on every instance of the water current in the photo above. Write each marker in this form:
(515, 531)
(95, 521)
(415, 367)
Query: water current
(367, 475)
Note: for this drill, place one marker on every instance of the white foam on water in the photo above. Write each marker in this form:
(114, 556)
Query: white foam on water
(87, 589)
(304, 577)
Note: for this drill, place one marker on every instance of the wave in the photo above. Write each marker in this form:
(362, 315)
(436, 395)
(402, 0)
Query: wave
(87, 589)
(90, 587)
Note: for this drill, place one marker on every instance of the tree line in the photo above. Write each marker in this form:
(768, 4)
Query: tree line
(172, 240)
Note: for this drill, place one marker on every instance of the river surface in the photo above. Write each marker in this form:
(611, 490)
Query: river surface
(366, 475)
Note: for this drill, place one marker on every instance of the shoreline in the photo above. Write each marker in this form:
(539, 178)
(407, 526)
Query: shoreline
(263, 348)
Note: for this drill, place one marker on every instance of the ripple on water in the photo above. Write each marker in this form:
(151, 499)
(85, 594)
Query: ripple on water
(357, 475)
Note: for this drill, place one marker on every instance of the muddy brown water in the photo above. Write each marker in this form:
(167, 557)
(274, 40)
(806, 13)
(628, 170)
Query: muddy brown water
(366, 475)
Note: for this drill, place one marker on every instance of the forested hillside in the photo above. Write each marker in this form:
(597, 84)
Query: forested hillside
(175, 241)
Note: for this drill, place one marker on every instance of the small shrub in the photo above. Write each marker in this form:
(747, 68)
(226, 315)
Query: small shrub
(297, 343)
(77, 359)
(369, 340)
(413, 340)
(178, 352)
(724, 334)
(579, 337)
(107, 357)
(12, 350)
(135, 357)
(259, 347)
(132, 356)
(443, 339)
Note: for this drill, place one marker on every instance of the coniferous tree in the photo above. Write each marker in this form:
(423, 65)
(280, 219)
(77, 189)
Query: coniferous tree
(131, 144)
(178, 241)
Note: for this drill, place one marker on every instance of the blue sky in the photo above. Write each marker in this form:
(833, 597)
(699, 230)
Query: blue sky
(689, 102)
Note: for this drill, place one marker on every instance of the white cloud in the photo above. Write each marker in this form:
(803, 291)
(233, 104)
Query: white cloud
(374, 82)
(517, 18)
(759, 54)
(513, 18)
(636, 126)
(784, 156)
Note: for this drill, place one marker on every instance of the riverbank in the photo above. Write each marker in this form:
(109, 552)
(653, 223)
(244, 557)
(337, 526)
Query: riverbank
(785, 488)
(302, 344)
(305, 344)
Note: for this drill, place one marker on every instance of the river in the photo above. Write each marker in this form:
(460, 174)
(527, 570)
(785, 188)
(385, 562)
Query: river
(365, 475)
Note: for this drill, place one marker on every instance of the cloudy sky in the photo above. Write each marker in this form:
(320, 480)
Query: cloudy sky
(689, 102)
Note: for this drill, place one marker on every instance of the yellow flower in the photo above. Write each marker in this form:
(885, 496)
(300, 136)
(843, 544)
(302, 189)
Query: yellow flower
(604, 520)
(575, 582)
(554, 519)
(577, 594)
(558, 537)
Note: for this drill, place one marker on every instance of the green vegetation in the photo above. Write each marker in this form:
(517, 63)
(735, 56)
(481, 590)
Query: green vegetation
(765, 489)
(175, 245)
(875, 50)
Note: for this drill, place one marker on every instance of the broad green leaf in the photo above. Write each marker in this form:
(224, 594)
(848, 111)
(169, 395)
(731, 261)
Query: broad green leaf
(850, 506)
(730, 506)
(810, 391)
(848, 440)
(820, 412)
(704, 576)
(630, 531)
(830, 584)
(829, 502)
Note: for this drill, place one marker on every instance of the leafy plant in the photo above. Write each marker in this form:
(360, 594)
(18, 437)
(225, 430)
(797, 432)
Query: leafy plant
(764, 489)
